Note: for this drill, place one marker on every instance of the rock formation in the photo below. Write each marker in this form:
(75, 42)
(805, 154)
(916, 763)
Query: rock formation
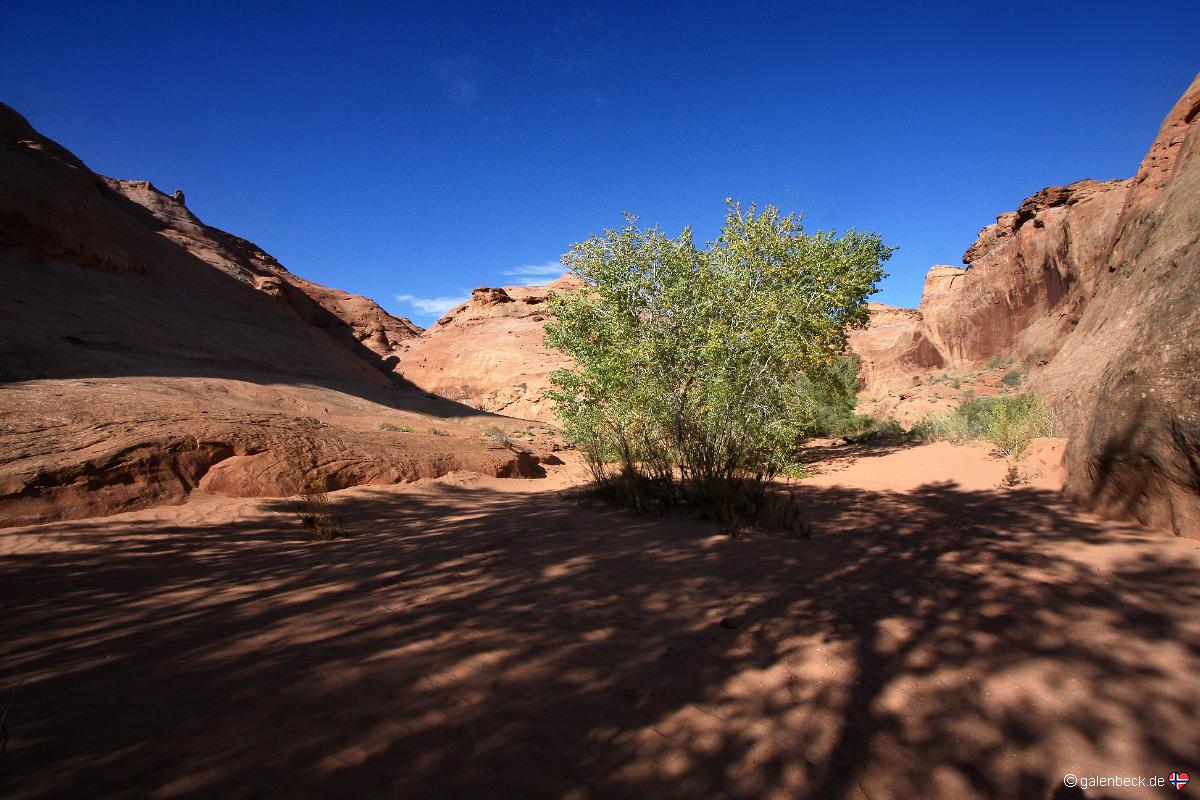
(1092, 286)
(226, 362)
(144, 354)
(489, 353)
(1129, 372)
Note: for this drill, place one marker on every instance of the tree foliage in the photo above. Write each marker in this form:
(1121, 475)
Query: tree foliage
(699, 368)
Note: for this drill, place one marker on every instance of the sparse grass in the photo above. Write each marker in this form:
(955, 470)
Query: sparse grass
(438, 432)
(996, 362)
(387, 426)
(497, 434)
(933, 380)
(1009, 423)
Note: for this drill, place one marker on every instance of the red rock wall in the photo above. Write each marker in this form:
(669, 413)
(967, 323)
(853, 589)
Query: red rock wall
(1094, 286)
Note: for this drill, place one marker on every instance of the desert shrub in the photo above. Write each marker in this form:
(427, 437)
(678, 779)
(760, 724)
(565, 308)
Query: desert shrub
(438, 432)
(866, 428)
(1009, 423)
(699, 369)
(949, 427)
(316, 512)
(1012, 477)
(955, 382)
(833, 401)
(995, 362)
(1015, 421)
(1012, 378)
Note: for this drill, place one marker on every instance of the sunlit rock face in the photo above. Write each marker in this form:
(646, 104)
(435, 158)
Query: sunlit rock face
(1091, 287)
(489, 353)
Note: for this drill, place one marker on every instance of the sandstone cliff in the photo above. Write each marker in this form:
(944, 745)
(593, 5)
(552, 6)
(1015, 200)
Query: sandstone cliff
(144, 354)
(1092, 287)
(489, 353)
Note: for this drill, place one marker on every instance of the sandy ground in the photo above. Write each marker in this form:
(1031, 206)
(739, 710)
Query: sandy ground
(935, 637)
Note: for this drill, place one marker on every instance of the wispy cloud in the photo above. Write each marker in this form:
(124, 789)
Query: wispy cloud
(432, 306)
(535, 273)
(428, 309)
(463, 92)
(460, 79)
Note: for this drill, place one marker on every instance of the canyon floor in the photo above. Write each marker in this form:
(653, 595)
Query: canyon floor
(935, 636)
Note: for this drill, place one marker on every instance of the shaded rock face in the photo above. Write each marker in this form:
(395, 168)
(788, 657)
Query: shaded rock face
(144, 354)
(1130, 371)
(357, 322)
(489, 353)
(1092, 286)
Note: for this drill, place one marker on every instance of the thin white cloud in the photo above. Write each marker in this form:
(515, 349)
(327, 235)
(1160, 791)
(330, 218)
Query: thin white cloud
(463, 92)
(460, 78)
(536, 273)
(432, 306)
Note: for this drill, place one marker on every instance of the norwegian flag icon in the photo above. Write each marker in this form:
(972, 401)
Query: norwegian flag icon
(1178, 779)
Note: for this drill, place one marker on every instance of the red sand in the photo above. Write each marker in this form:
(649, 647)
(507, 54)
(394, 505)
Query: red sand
(936, 637)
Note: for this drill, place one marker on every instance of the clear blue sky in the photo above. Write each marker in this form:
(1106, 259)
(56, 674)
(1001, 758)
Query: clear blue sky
(410, 152)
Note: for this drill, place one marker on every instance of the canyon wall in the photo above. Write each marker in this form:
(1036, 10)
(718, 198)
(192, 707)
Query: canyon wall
(1093, 287)
(144, 355)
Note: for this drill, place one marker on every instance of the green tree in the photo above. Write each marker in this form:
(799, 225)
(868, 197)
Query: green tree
(698, 369)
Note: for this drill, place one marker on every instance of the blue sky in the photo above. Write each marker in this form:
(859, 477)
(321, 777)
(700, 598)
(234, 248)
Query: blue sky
(412, 152)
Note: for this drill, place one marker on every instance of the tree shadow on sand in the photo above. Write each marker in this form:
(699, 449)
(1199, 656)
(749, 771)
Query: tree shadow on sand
(941, 643)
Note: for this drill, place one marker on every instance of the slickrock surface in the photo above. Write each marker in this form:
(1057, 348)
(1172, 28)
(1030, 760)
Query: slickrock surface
(143, 353)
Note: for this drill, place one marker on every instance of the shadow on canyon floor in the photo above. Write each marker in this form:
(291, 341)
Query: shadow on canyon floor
(469, 643)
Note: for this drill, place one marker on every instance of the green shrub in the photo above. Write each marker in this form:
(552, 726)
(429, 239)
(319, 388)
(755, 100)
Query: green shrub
(995, 362)
(1015, 421)
(949, 427)
(865, 428)
(1012, 378)
(1009, 423)
(699, 369)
